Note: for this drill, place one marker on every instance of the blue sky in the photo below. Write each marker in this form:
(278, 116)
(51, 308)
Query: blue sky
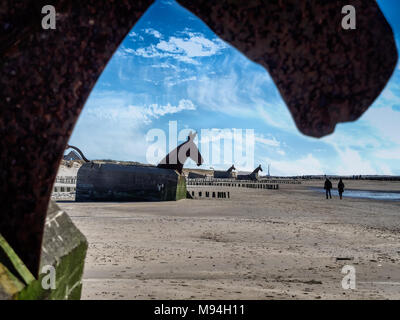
(172, 67)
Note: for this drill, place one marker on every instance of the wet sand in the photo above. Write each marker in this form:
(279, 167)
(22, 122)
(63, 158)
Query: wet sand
(260, 244)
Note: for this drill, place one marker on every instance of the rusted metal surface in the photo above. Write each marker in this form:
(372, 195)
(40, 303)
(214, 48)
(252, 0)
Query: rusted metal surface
(46, 77)
(324, 73)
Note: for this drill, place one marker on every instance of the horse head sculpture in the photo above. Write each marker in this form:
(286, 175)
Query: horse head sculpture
(177, 157)
(256, 170)
(79, 151)
(231, 168)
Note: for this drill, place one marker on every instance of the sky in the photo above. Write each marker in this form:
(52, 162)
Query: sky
(172, 75)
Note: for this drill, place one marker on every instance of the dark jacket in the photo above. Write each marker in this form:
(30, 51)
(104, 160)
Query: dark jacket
(340, 186)
(328, 184)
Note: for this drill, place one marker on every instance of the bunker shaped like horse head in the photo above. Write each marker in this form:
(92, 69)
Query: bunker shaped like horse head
(228, 174)
(125, 182)
(177, 157)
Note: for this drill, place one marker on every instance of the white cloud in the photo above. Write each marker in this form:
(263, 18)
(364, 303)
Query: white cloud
(153, 32)
(281, 152)
(376, 134)
(268, 145)
(156, 110)
(266, 141)
(113, 110)
(98, 135)
(111, 127)
(249, 94)
(371, 144)
(184, 49)
(390, 154)
(352, 163)
(275, 113)
(304, 166)
(172, 81)
(221, 94)
(216, 135)
(196, 45)
(386, 121)
(166, 65)
(133, 36)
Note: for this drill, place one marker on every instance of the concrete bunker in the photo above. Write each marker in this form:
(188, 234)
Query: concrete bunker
(228, 174)
(116, 182)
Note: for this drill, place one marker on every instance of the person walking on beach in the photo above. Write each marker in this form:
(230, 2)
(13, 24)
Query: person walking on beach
(328, 187)
(340, 188)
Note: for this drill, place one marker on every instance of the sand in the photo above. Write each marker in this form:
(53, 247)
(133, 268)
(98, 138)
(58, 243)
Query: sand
(260, 244)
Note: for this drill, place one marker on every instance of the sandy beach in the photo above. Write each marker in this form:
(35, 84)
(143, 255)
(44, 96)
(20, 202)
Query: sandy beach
(289, 243)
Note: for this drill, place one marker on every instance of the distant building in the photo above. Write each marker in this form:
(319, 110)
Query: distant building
(228, 174)
(193, 175)
(72, 155)
(249, 176)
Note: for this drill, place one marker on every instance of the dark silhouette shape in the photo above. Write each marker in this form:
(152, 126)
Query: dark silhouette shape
(251, 176)
(177, 157)
(256, 170)
(340, 187)
(72, 155)
(79, 151)
(328, 187)
(194, 175)
(224, 174)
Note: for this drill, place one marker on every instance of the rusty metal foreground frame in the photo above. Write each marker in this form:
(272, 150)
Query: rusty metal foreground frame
(325, 75)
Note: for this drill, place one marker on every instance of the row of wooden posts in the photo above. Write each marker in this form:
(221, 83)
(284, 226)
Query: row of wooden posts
(66, 179)
(241, 184)
(210, 194)
(216, 181)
